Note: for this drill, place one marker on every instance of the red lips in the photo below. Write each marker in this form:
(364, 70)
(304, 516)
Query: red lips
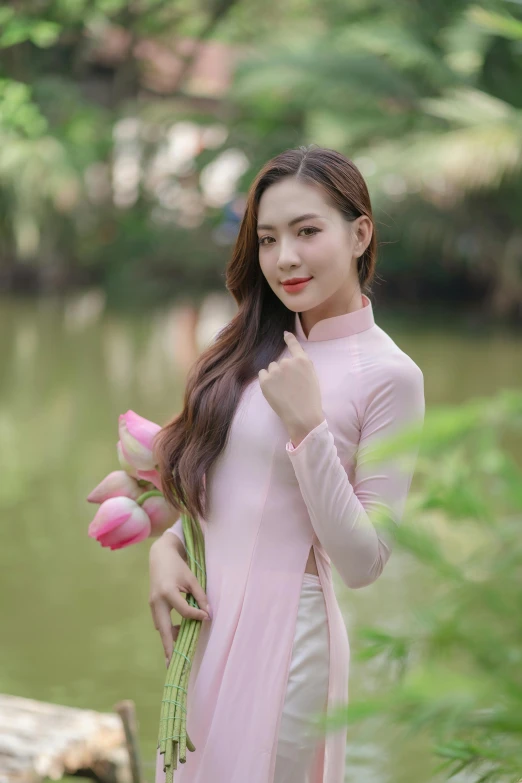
(294, 287)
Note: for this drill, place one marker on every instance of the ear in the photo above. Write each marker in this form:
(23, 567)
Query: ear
(363, 230)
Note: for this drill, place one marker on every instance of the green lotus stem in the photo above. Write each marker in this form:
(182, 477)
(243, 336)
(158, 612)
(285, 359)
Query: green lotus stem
(174, 678)
(191, 636)
(173, 739)
(172, 731)
(152, 493)
(171, 691)
(177, 678)
(180, 723)
(199, 564)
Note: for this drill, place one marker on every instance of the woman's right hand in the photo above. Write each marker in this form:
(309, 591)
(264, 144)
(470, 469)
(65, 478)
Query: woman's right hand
(170, 576)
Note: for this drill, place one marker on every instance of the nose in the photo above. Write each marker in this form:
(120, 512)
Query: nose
(288, 256)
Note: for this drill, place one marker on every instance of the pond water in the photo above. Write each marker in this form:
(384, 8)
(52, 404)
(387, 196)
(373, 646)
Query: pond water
(76, 627)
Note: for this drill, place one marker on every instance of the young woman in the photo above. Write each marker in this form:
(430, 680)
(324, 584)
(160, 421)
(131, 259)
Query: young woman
(279, 418)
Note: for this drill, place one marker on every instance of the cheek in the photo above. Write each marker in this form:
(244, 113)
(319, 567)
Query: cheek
(263, 268)
(318, 255)
(325, 258)
(268, 267)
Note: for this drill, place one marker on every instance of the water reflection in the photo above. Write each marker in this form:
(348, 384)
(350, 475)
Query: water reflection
(76, 627)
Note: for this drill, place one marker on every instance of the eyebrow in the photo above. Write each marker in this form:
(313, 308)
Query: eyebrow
(291, 222)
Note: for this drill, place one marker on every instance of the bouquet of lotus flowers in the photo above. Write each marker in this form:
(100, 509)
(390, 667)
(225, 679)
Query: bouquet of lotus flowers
(132, 508)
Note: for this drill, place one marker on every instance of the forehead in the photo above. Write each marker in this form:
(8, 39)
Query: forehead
(289, 198)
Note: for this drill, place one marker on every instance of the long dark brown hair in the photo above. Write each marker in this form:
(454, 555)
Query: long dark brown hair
(188, 445)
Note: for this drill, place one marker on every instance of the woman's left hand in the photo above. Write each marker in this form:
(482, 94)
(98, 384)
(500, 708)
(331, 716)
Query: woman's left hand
(291, 388)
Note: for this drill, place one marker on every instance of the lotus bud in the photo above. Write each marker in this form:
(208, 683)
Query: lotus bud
(126, 466)
(137, 438)
(119, 522)
(151, 475)
(116, 484)
(160, 513)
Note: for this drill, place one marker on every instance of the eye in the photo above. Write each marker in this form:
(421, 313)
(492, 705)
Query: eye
(305, 228)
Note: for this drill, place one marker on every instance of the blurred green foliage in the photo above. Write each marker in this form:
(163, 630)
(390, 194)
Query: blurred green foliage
(425, 98)
(455, 667)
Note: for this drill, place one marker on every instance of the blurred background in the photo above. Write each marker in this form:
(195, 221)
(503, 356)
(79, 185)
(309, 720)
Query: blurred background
(129, 135)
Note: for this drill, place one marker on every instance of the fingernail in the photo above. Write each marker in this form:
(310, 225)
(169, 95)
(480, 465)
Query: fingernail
(167, 662)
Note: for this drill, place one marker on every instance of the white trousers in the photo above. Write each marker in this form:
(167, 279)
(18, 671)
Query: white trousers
(307, 689)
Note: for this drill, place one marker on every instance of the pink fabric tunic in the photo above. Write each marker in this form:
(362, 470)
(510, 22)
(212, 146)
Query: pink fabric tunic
(268, 504)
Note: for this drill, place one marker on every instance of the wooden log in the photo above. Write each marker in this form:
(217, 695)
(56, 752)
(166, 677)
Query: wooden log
(127, 712)
(40, 740)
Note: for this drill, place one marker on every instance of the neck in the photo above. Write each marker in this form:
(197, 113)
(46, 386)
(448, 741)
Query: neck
(328, 310)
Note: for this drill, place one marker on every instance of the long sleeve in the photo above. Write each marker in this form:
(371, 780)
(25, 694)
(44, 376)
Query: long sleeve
(177, 530)
(341, 513)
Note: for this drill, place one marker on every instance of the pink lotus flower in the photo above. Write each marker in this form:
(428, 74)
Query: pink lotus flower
(136, 438)
(124, 465)
(151, 475)
(116, 484)
(120, 522)
(160, 513)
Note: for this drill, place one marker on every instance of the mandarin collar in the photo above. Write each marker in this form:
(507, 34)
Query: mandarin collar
(340, 325)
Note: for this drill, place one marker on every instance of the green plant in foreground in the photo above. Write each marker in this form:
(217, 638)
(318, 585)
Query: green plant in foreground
(173, 738)
(456, 662)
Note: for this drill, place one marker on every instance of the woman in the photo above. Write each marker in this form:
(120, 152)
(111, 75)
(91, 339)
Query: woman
(279, 418)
